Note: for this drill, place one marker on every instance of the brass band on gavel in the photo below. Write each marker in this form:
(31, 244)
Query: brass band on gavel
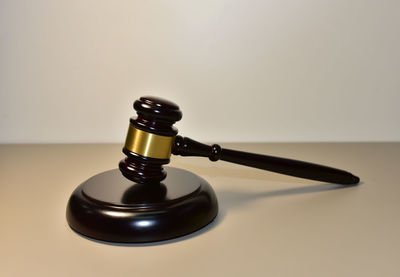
(147, 144)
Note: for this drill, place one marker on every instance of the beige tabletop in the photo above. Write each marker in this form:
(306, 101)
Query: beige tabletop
(268, 224)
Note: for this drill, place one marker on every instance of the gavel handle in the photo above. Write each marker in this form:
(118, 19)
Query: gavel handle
(188, 147)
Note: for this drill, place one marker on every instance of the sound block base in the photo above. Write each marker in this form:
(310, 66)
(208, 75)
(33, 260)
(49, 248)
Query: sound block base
(111, 208)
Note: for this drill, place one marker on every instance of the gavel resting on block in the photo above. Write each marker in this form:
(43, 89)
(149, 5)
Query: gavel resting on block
(144, 202)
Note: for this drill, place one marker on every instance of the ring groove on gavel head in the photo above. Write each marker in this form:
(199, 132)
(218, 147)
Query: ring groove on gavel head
(149, 140)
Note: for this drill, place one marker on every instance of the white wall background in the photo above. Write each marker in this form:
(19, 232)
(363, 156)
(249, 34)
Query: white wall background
(274, 70)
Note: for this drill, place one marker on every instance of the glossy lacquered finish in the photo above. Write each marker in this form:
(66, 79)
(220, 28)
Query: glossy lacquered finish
(158, 115)
(154, 116)
(112, 208)
(143, 202)
(189, 147)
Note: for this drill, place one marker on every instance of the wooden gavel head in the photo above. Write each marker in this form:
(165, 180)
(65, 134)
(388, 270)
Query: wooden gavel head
(149, 140)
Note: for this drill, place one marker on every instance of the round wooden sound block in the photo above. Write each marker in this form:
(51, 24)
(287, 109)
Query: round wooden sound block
(111, 208)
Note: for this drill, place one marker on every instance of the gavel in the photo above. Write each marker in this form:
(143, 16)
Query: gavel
(144, 201)
(151, 139)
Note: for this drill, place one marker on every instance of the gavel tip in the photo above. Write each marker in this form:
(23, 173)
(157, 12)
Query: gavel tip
(352, 180)
(356, 179)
